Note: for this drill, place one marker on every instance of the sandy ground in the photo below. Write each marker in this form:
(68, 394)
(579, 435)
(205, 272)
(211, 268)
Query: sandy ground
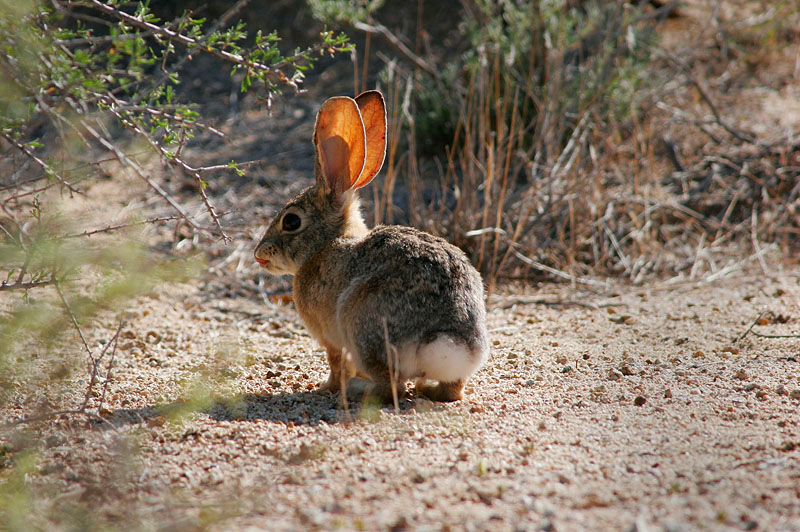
(606, 407)
(610, 408)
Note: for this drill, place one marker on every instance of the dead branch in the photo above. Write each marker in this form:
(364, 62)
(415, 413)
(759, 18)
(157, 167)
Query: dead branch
(176, 160)
(129, 163)
(121, 226)
(44, 166)
(761, 335)
(550, 303)
(686, 71)
(108, 372)
(23, 285)
(72, 317)
(530, 262)
(377, 28)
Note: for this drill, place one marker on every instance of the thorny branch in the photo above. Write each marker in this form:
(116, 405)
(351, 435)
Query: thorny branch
(23, 285)
(275, 70)
(48, 170)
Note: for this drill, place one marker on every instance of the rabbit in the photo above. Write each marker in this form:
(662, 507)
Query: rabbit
(393, 299)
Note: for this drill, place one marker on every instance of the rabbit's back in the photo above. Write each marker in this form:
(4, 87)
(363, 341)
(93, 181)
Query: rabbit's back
(424, 293)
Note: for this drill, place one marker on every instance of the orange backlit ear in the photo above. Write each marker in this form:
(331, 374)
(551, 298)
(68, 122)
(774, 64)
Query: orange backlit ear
(373, 114)
(340, 142)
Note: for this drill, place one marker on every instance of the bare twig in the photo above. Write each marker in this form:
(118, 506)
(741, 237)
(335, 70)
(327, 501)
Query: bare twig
(72, 317)
(535, 264)
(23, 285)
(549, 303)
(129, 163)
(377, 28)
(46, 167)
(760, 335)
(121, 226)
(175, 159)
(685, 70)
(754, 238)
(110, 365)
(343, 383)
(393, 363)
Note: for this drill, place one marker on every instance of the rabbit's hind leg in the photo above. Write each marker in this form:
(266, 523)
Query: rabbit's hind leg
(443, 391)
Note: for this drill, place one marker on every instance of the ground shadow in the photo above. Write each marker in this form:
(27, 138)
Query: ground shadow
(298, 408)
(301, 408)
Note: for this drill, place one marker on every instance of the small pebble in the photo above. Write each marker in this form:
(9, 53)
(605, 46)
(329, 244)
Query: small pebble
(640, 400)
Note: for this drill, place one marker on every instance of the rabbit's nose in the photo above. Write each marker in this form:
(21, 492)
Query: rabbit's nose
(258, 256)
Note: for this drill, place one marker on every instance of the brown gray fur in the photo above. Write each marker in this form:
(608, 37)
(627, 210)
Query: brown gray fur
(352, 286)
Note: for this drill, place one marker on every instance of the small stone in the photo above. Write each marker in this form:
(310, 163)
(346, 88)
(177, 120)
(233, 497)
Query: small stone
(566, 369)
(640, 400)
(423, 404)
(614, 375)
(667, 394)
(789, 446)
(626, 370)
(157, 421)
(795, 394)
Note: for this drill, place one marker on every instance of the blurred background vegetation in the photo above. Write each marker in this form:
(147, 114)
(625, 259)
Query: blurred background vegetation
(143, 143)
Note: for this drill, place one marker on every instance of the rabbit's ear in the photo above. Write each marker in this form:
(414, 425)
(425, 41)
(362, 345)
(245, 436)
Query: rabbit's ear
(340, 143)
(373, 113)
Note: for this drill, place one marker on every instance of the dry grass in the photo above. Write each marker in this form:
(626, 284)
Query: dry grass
(607, 158)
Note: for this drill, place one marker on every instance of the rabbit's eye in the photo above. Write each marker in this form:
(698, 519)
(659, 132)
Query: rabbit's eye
(291, 222)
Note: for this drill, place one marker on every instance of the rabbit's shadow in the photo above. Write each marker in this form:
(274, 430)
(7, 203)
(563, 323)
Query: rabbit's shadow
(298, 408)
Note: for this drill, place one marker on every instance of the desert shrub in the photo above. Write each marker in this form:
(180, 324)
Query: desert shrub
(501, 132)
(91, 89)
(529, 140)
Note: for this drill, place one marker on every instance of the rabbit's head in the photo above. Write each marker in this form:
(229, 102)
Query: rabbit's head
(350, 144)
